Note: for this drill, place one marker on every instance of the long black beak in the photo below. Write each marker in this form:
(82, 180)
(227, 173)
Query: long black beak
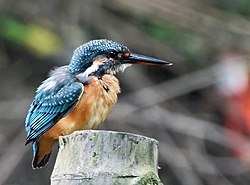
(134, 58)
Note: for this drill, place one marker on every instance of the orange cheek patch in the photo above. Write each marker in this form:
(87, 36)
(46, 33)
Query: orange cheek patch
(126, 55)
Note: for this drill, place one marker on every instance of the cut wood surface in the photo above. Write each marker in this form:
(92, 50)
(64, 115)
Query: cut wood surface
(106, 157)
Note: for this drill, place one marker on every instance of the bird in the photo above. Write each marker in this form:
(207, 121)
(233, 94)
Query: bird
(78, 96)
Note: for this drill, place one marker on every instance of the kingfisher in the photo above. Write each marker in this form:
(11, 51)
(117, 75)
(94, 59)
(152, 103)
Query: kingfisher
(78, 96)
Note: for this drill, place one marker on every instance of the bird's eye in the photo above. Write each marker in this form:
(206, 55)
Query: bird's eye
(113, 54)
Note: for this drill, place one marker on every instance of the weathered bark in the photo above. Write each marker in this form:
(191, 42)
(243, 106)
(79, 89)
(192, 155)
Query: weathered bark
(106, 158)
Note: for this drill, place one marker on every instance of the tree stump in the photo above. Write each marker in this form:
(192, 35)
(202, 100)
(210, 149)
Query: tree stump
(95, 157)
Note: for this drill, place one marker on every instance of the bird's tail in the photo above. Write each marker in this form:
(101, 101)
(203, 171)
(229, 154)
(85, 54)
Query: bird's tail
(40, 158)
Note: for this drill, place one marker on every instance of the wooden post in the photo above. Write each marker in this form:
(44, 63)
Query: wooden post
(105, 158)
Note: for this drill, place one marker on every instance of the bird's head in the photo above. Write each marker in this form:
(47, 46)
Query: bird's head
(99, 57)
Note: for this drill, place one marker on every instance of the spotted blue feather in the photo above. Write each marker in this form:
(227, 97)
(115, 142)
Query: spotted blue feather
(55, 98)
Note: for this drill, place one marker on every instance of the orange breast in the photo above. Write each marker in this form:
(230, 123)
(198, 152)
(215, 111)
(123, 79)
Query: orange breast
(92, 108)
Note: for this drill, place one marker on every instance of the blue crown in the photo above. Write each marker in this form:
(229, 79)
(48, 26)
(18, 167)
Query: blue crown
(84, 54)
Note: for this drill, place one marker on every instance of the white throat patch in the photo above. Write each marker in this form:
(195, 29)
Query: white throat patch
(117, 69)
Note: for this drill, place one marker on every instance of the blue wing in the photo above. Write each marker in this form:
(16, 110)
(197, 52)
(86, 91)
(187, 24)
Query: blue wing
(49, 107)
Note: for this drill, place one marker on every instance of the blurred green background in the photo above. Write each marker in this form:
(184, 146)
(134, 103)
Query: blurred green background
(199, 109)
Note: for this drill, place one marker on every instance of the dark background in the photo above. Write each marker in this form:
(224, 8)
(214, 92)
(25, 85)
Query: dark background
(198, 109)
